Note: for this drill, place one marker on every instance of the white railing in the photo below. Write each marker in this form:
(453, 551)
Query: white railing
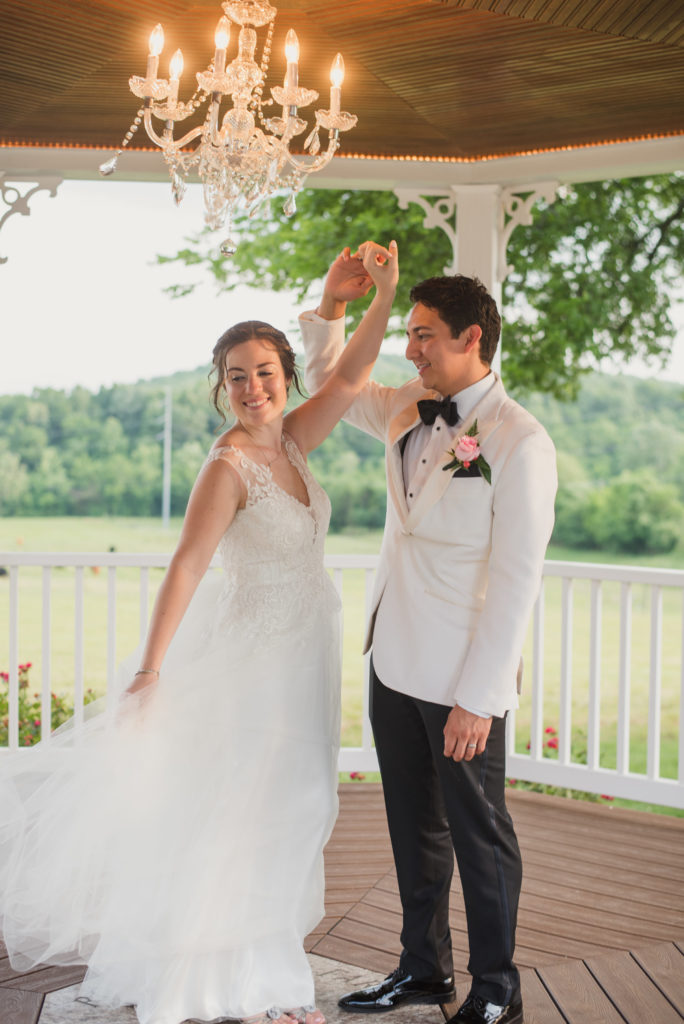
(605, 649)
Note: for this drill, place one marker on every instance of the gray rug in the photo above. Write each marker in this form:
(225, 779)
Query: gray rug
(332, 979)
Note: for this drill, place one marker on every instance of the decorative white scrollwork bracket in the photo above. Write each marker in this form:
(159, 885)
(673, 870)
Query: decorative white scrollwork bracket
(17, 190)
(515, 204)
(441, 213)
(515, 208)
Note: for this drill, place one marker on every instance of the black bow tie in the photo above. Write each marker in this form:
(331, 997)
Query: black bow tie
(429, 409)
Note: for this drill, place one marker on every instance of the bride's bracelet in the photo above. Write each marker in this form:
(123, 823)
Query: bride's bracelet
(148, 672)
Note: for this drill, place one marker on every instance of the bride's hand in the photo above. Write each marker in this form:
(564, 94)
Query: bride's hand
(142, 681)
(381, 265)
(135, 698)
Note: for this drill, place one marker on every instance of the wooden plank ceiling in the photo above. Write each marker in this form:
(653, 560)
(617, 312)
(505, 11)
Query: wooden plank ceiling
(454, 79)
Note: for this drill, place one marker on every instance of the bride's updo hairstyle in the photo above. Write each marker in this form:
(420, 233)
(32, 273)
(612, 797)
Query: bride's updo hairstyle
(238, 334)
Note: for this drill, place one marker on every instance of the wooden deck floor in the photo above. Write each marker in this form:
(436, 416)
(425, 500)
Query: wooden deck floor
(601, 923)
(600, 928)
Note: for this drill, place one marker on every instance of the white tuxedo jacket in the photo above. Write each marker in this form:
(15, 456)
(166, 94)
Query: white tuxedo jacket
(459, 573)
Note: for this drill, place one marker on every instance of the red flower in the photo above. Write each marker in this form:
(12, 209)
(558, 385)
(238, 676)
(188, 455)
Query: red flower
(553, 743)
(528, 744)
(357, 775)
(36, 721)
(604, 797)
(549, 729)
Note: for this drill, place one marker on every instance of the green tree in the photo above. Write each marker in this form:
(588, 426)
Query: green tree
(15, 481)
(634, 515)
(50, 486)
(592, 275)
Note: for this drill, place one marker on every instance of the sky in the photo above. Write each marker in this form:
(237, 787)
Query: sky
(82, 299)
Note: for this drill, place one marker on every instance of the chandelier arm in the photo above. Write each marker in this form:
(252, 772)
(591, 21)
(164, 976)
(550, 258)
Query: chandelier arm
(149, 128)
(316, 163)
(189, 136)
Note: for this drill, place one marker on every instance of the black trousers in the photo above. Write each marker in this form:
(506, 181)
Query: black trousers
(437, 807)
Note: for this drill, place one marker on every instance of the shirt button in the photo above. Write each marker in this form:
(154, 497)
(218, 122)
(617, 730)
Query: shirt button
(410, 494)
(438, 428)
(423, 461)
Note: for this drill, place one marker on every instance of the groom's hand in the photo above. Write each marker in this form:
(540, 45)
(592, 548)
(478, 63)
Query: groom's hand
(465, 734)
(347, 280)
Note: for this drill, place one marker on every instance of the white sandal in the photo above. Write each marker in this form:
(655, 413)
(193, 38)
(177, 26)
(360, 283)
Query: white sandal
(274, 1013)
(306, 1015)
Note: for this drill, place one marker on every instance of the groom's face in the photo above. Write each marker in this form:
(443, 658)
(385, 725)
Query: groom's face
(443, 361)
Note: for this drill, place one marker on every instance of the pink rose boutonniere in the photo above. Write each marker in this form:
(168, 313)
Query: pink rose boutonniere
(467, 453)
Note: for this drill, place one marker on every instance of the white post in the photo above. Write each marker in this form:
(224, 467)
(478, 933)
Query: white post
(477, 240)
(477, 234)
(479, 220)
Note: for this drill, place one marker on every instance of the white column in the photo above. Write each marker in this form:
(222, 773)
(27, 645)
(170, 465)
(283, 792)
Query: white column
(479, 220)
(477, 240)
(477, 234)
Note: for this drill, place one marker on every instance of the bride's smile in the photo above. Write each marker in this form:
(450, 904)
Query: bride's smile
(255, 380)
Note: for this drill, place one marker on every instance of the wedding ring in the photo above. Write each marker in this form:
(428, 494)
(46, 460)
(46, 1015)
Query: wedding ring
(471, 744)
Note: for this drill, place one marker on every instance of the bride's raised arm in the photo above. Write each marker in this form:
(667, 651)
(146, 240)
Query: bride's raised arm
(312, 421)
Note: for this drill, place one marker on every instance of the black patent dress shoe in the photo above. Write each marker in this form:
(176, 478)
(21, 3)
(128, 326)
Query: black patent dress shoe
(397, 989)
(477, 1010)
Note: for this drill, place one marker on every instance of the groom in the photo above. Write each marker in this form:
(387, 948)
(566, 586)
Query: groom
(471, 480)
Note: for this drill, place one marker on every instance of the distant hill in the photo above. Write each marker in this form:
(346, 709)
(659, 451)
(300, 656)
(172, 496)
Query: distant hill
(99, 453)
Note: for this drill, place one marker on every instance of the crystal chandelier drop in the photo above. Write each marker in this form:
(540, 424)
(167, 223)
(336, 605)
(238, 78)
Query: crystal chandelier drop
(239, 161)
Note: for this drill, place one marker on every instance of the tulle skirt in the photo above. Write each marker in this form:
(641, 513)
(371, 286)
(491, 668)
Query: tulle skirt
(174, 844)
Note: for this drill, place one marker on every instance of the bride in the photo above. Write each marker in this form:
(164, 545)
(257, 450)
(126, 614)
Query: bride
(176, 846)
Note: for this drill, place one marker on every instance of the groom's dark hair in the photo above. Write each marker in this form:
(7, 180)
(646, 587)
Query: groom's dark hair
(461, 301)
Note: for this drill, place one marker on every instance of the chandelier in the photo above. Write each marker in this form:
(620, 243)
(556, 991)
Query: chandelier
(242, 158)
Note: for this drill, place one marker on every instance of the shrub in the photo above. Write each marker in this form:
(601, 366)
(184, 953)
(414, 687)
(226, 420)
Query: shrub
(30, 709)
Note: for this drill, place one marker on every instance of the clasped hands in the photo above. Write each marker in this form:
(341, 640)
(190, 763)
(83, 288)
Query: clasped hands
(352, 275)
(465, 734)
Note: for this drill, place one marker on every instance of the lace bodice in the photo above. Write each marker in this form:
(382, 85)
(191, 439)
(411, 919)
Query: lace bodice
(272, 553)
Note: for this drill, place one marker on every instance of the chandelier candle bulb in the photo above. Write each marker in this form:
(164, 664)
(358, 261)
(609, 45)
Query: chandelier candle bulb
(175, 71)
(292, 55)
(156, 45)
(336, 78)
(221, 40)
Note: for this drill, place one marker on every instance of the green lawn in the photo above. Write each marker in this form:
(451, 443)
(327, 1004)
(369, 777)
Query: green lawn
(145, 535)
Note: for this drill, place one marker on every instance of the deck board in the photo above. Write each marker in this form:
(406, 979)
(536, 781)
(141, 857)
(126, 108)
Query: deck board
(18, 1007)
(600, 924)
(578, 995)
(622, 979)
(665, 966)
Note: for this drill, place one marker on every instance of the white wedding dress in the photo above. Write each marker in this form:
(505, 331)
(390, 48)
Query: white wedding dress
(175, 844)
